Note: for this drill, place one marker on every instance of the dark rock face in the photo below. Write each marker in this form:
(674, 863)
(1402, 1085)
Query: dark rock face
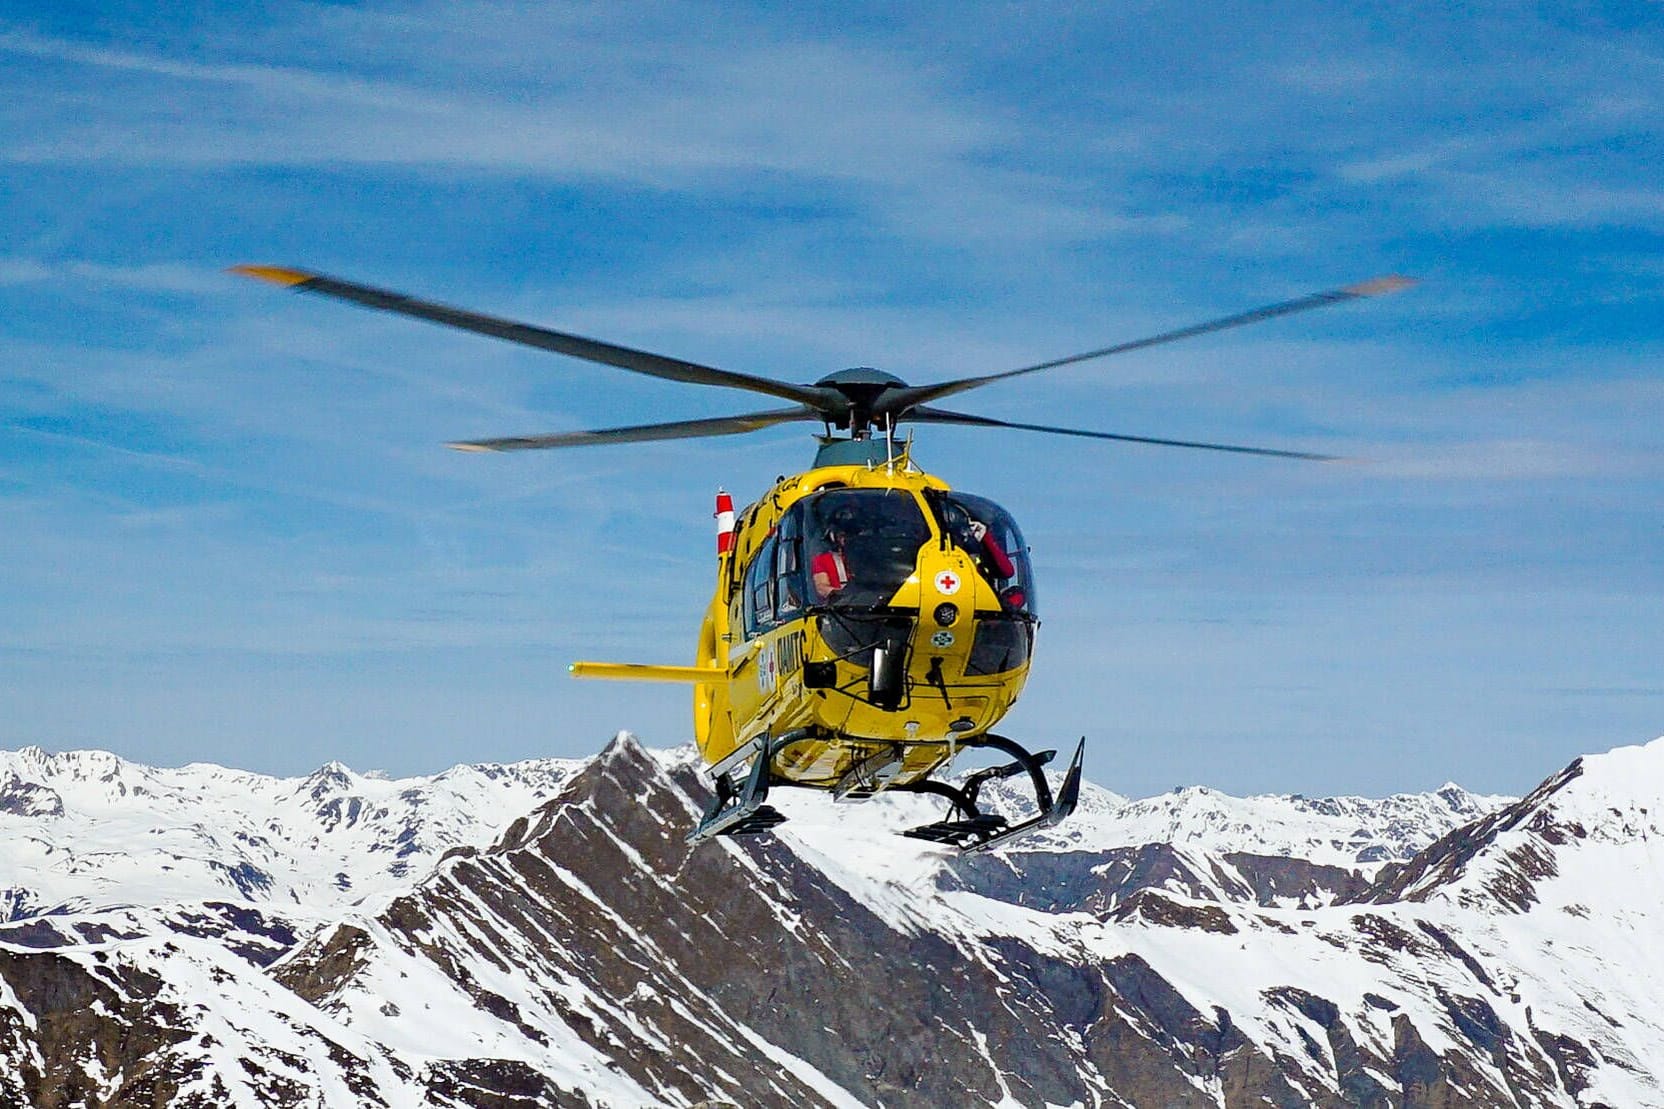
(1280, 880)
(1098, 882)
(1445, 860)
(736, 973)
(109, 1017)
(873, 1010)
(260, 937)
(21, 798)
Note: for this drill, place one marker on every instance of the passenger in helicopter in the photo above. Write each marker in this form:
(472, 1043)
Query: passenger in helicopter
(981, 542)
(789, 603)
(997, 560)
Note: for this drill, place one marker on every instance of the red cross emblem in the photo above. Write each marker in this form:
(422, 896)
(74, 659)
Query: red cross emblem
(947, 583)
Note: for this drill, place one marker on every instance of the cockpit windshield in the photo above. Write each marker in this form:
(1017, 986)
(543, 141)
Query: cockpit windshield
(860, 545)
(855, 548)
(989, 534)
(846, 548)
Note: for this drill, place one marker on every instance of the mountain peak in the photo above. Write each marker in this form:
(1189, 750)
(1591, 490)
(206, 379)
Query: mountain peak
(624, 745)
(86, 763)
(1634, 772)
(1603, 807)
(88, 830)
(332, 771)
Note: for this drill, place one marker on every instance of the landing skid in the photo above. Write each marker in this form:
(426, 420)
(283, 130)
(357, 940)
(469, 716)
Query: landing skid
(741, 812)
(979, 831)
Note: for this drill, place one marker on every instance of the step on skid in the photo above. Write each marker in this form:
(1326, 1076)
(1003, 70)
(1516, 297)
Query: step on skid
(742, 811)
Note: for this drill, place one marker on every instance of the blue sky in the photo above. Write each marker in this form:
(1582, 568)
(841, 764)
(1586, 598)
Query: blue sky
(229, 532)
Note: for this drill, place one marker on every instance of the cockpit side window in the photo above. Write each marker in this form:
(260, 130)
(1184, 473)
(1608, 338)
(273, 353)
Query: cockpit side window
(788, 566)
(759, 590)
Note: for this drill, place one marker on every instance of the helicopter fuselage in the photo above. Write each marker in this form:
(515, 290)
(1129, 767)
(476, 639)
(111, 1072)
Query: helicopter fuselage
(923, 644)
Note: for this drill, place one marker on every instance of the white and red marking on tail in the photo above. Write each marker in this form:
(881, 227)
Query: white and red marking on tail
(724, 522)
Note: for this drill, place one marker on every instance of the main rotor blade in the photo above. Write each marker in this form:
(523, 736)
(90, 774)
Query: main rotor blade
(899, 400)
(941, 416)
(591, 350)
(643, 433)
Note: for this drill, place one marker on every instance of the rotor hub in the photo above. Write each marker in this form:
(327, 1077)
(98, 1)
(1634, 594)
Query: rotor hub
(861, 388)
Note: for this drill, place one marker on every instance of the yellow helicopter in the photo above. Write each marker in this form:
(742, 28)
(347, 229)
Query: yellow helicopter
(869, 622)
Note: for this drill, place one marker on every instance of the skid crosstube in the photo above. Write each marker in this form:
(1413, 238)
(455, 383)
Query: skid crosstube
(980, 831)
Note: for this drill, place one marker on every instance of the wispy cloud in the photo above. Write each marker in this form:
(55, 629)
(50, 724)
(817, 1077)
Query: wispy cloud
(156, 277)
(613, 107)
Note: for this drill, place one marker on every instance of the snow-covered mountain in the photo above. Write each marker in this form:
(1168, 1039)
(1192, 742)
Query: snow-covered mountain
(1330, 831)
(1192, 949)
(88, 830)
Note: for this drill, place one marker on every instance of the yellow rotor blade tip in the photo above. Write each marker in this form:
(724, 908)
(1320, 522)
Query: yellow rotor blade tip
(277, 275)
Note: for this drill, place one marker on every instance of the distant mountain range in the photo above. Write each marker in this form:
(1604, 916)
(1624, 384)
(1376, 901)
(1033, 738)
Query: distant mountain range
(538, 934)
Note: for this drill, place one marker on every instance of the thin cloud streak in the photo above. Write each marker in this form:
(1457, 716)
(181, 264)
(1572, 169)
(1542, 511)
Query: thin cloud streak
(849, 120)
(155, 277)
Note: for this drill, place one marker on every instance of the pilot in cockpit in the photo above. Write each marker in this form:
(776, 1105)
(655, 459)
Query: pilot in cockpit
(829, 570)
